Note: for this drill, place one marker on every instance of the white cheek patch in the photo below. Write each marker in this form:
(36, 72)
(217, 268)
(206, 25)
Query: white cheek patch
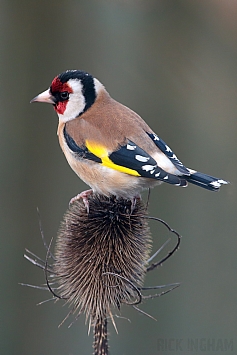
(76, 103)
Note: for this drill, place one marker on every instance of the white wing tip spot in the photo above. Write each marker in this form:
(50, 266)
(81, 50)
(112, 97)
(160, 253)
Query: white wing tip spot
(131, 147)
(141, 158)
(148, 167)
(216, 184)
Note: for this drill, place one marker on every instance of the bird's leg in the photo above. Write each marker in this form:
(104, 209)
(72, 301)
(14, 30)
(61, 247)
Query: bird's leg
(84, 196)
(134, 201)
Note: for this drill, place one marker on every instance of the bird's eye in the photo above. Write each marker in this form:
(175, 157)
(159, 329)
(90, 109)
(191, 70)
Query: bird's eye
(64, 95)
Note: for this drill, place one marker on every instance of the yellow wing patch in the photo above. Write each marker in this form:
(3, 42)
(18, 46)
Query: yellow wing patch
(102, 153)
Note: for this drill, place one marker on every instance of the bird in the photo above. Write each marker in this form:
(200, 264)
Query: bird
(109, 146)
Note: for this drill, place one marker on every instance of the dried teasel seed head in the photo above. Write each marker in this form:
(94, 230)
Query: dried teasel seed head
(101, 255)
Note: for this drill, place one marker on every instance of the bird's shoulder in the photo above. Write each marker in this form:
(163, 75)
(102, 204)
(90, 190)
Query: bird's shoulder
(110, 123)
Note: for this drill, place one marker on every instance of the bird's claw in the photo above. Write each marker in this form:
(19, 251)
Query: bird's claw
(84, 196)
(134, 201)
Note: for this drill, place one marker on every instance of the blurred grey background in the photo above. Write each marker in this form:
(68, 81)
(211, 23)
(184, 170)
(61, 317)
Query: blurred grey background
(174, 62)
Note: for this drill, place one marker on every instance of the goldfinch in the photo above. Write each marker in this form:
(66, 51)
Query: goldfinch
(108, 145)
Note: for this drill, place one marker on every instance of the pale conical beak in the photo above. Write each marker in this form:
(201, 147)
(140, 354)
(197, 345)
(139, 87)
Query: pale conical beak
(44, 97)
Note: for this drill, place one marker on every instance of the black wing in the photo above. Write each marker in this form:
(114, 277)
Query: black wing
(133, 157)
(169, 153)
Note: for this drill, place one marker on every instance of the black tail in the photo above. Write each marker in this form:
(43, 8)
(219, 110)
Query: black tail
(206, 181)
